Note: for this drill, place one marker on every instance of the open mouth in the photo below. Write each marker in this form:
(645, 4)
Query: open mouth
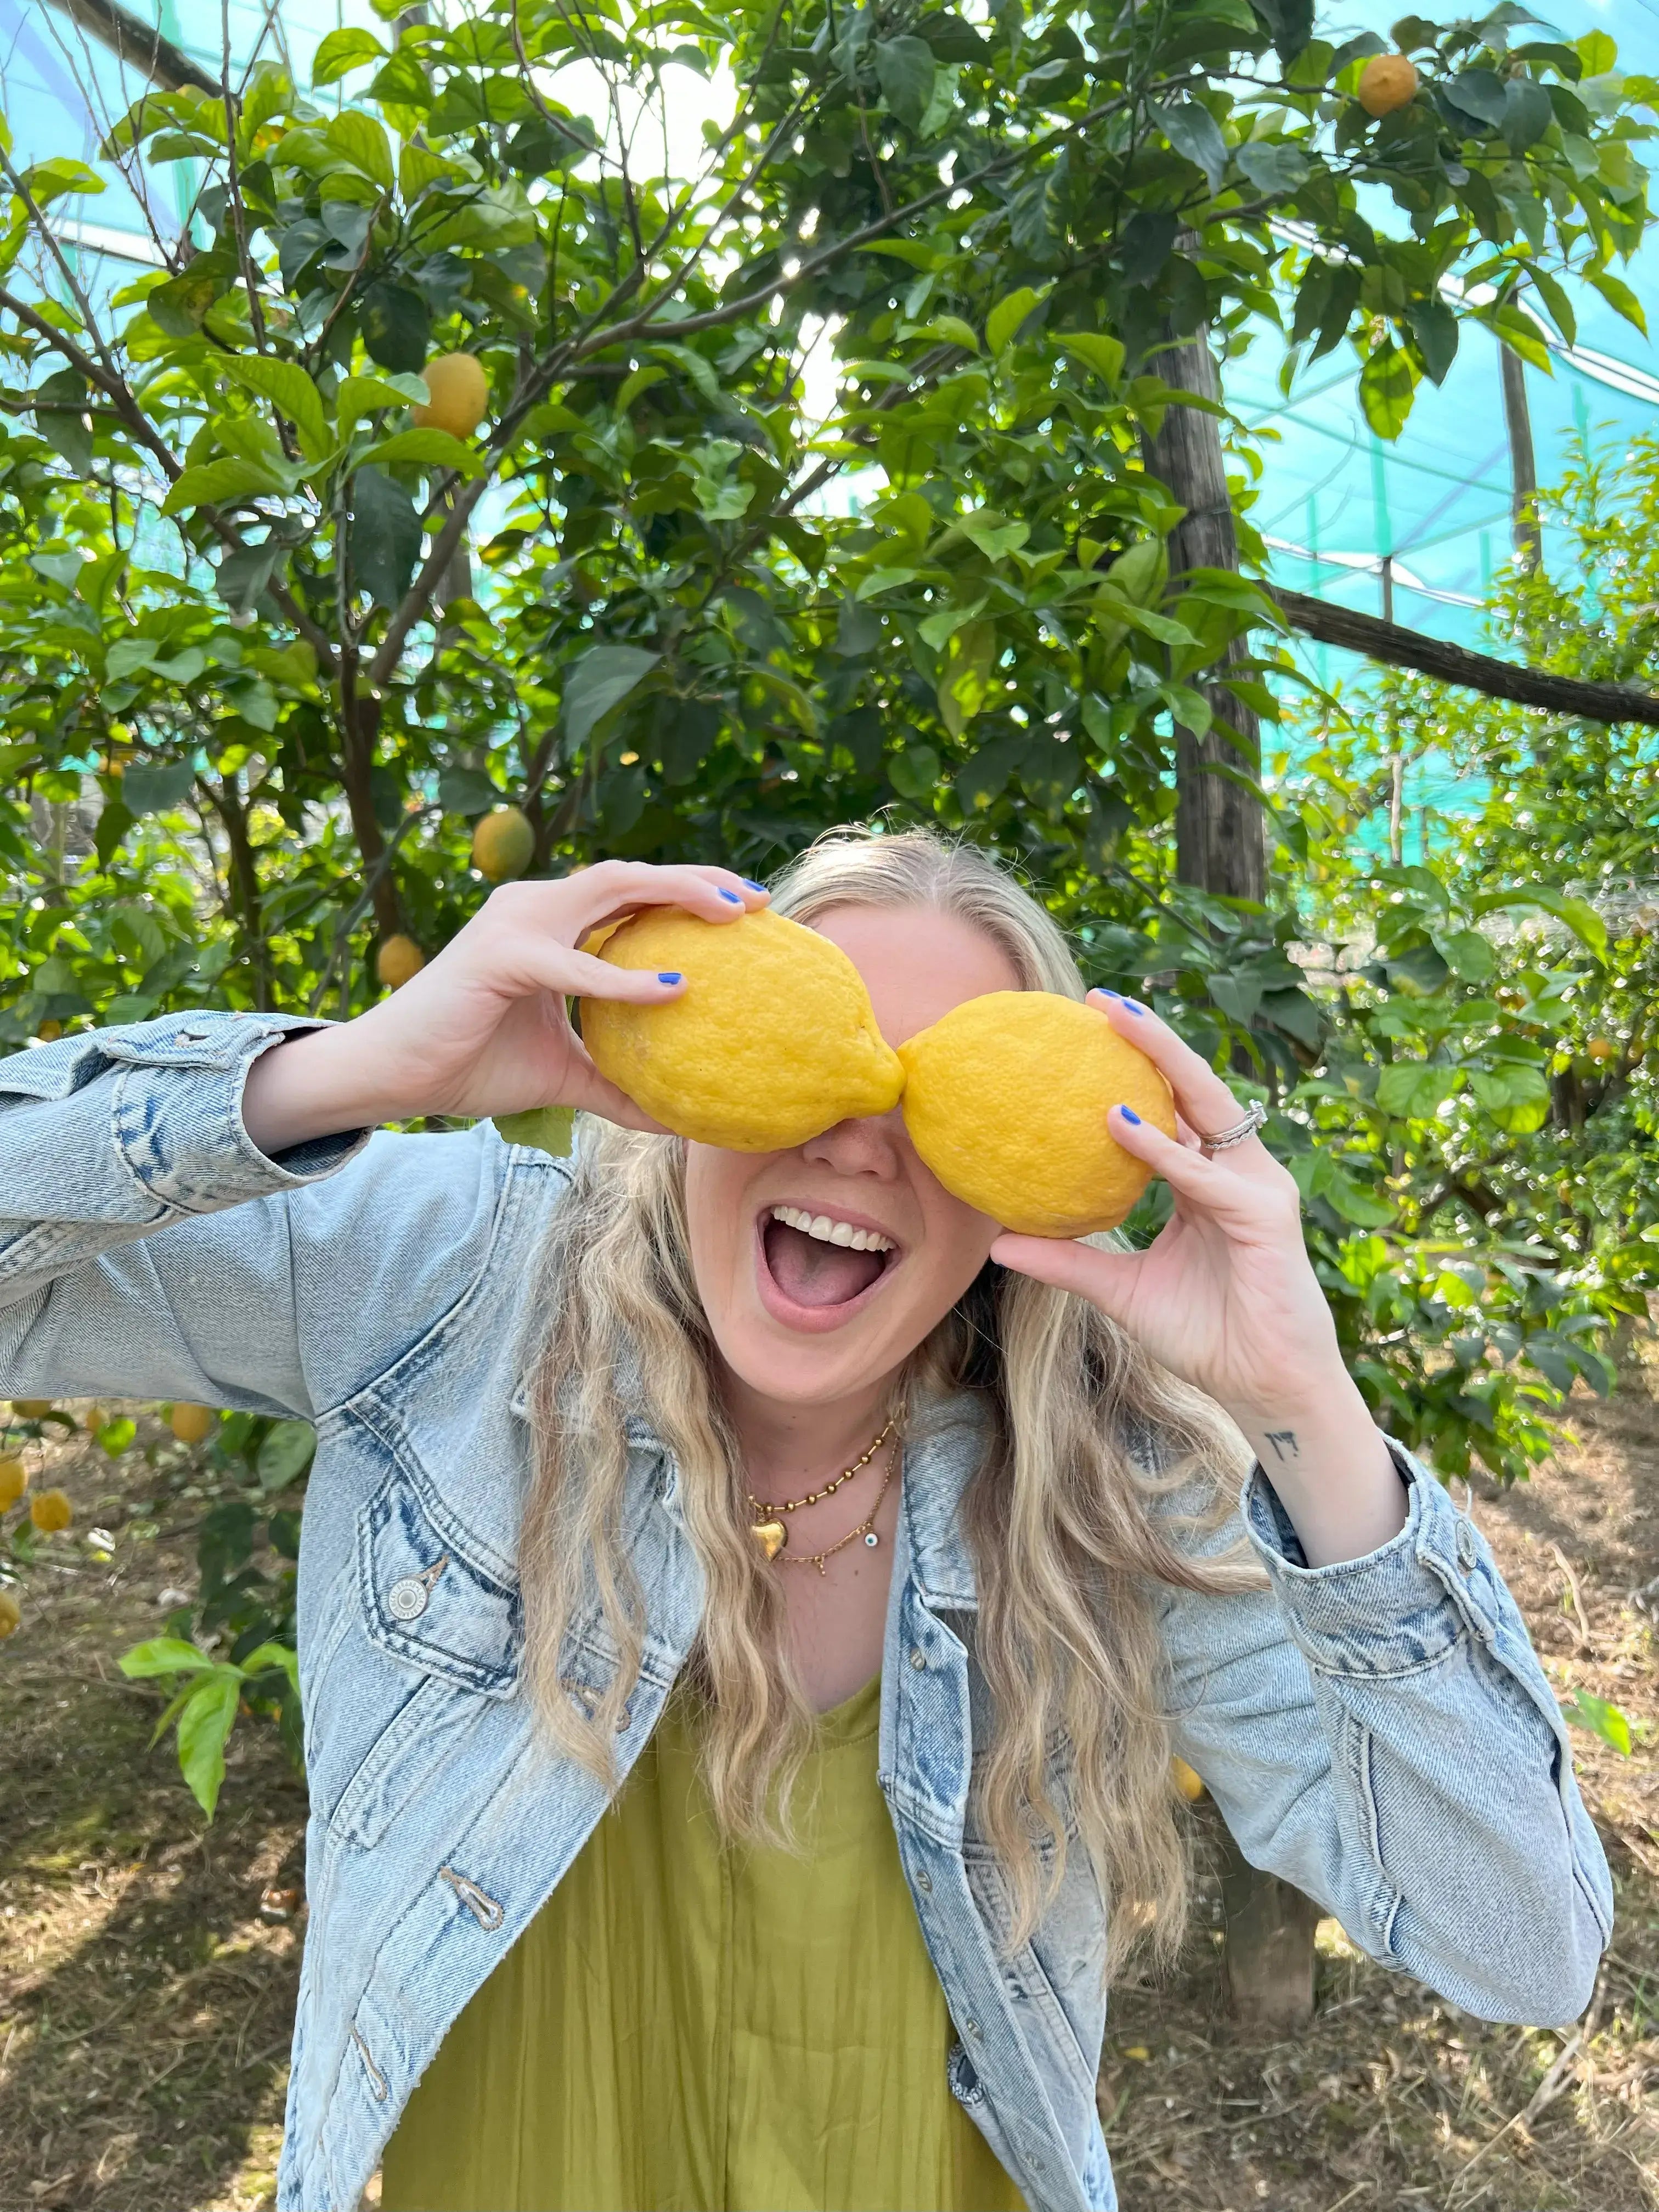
(815, 1269)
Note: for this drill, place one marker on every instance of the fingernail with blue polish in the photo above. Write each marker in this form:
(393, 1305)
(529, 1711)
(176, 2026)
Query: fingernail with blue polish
(1130, 1114)
(670, 976)
(1135, 1005)
(753, 885)
(736, 897)
(1114, 996)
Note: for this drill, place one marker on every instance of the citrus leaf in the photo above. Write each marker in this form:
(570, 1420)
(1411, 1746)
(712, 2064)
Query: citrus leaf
(604, 676)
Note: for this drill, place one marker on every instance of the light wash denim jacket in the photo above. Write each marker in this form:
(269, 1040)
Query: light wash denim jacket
(1378, 1732)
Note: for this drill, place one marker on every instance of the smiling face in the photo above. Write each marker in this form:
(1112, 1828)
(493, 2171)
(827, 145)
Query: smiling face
(820, 1269)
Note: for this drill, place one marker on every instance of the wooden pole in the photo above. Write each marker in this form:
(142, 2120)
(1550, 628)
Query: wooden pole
(1523, 467)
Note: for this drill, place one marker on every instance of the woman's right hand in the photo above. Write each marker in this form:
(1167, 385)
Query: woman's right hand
(484, 1029)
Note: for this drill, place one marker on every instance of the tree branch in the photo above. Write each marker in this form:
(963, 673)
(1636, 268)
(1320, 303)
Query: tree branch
(138, 43)
(1399, 647)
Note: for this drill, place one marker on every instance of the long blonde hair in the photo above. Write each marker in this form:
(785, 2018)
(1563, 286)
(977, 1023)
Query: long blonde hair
(1086, 1434)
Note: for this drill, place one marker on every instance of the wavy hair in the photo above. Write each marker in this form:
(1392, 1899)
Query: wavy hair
(1067, 1516)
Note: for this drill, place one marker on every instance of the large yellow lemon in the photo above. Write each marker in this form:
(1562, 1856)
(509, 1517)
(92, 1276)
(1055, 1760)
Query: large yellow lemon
(51, 1512)
(399, 959)
(192, 1425)
(1386, 83)
(773, 1041)
(11, 1614)
(1006, 1097)
(459, 395)
(14, 1480)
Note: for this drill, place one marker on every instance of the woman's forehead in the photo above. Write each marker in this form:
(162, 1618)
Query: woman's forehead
(916, 961)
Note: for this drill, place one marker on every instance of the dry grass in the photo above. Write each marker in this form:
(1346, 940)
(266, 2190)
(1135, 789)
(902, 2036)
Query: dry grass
(145, 1991)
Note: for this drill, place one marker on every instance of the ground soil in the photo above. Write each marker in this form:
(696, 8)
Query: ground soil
(147, 1962)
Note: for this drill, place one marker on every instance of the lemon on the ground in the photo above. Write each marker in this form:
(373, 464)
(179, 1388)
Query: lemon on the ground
(503, 844)
(399, 958)
(11, 1614)
(51, 1511)
(1006, 1100)
(1386, 83)
(192, 1425)
(773, 1041)
(459, 395)
(14, 1481)
(1187, 1780)
(31, 1409)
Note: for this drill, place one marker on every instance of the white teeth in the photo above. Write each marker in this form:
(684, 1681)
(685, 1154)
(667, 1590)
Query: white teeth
(830, 1232)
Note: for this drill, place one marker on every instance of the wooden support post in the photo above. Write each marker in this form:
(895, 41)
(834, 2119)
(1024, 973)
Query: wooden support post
(1528, 539)
(1270, 1959)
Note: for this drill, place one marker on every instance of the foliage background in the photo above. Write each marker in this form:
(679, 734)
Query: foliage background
(269, 649)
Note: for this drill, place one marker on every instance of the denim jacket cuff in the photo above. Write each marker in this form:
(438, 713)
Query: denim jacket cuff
(1398, 1608)
(177, 1112)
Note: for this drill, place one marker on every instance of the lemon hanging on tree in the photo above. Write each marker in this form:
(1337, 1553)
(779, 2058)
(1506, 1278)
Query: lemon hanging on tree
(1006, 1099)
(11, 1614)
(773, 1042)
(399, 958)
(51, 1511)
(14, 1481)
(1387, 81)
(192, 1425)
(459, 395)
(503, 844)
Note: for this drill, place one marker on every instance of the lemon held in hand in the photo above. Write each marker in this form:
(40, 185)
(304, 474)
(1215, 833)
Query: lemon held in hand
(773, 1041)
(1007, 1098)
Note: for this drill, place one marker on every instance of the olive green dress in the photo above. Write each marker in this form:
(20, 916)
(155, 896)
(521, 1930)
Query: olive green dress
(689, 2028)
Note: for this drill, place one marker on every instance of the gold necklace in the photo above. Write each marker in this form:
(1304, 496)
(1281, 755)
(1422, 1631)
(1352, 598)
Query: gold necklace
(865, 1529)
(770, 1534)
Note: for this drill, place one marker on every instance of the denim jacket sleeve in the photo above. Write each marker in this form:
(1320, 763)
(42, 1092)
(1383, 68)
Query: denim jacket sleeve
(1380, 1733)
(148, 1249)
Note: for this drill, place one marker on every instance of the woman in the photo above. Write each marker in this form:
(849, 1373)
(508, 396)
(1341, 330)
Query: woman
(562, 1411)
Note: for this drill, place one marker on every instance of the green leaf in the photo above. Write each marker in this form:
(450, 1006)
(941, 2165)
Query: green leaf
(360, 396)
(1103, 356)
(1435, 328)
(914, 773)
(950, 330)
(395, 321)
(1415, 1090)
(905, 70)
(428, 449)
(220, 482)
(285, 1454)
(1578, 915)
(1004, 319)
(1387, 385)
(289, 390)
(1607, 1720)
(157, 790)
(543, 1128)
(1619, 297)
(164, 1654)
(1193, 130)
(359, 139)
(271, 1657)
(344, 51)
(604, 676)
(386, 536)
(208, 1716)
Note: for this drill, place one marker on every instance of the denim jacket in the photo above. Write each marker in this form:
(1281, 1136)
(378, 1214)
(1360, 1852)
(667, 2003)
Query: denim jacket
(1378, 1732)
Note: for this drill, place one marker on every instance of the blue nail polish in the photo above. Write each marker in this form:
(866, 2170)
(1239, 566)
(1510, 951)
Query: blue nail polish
(670, 976)
(1135, 1005)
(1116, 997)
(1130, 1114)
(736, 897)
(753, 885)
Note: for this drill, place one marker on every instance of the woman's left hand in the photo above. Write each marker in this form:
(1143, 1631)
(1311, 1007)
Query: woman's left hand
(1225, 1296)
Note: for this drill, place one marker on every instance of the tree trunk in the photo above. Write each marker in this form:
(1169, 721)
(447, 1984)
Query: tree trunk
(1523, 467)
(1220, 824)
(1220, 847)
(1270, 1958)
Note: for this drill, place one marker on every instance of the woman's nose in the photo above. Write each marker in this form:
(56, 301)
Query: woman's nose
(871, 1144)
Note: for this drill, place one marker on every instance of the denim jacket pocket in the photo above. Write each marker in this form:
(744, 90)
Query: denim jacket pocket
(431, 1608)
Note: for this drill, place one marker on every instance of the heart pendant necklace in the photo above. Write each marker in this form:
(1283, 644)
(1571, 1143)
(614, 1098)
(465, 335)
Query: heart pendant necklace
(769, 1529)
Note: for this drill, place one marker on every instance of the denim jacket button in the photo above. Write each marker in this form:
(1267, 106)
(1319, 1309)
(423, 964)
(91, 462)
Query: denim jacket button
(1466, 1552)
(918, 1661)
(924, 1881)
(406, 1599)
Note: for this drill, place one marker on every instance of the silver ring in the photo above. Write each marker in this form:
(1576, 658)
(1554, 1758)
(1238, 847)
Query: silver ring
(1255, 1118)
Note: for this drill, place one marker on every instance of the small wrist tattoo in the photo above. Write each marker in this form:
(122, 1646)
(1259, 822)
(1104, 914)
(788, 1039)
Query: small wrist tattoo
(1284, 1444)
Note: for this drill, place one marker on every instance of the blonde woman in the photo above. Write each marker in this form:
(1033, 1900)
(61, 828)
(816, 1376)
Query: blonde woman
(651, 1865)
